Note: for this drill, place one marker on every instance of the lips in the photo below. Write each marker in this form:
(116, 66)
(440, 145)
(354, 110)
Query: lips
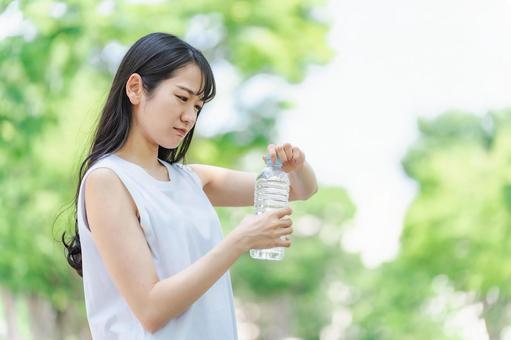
(182, 132)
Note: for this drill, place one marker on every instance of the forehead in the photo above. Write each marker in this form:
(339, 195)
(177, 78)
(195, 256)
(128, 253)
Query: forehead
(189, 76)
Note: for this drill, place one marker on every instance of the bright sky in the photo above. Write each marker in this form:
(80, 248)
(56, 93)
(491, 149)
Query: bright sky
(396, 60)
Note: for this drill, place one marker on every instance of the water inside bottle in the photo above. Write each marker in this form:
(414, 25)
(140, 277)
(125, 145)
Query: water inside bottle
(270, 194)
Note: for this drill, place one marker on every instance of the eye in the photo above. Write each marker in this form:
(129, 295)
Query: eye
(185, 99)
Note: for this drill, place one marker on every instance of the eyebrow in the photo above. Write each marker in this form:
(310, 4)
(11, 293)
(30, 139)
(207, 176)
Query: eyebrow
(187, 90)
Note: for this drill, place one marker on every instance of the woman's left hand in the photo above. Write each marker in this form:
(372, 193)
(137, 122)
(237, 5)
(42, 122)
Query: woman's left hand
(291, 156)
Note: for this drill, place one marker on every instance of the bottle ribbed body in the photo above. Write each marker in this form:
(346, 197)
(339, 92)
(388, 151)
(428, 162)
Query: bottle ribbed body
(271, 193)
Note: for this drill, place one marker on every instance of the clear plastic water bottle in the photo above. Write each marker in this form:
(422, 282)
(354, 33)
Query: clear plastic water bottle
(271, 193)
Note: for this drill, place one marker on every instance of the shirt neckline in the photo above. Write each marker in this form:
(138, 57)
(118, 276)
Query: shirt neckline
(170, 172)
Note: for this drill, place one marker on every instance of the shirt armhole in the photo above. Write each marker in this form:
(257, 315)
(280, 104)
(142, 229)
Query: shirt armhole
(142, 215)
(192, 173)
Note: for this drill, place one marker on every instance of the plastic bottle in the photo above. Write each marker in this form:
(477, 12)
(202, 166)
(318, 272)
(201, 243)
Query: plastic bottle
(271, 193)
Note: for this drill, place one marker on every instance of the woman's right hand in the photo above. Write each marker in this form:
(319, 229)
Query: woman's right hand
(264, 230)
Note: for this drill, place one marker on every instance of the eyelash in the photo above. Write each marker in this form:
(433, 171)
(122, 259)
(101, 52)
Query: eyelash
(185, 99)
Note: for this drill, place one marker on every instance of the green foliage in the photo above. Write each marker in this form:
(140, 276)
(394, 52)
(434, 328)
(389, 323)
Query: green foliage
(464, 217)
(464, 214)
(54, 84)
(457, 228)
(390, 303)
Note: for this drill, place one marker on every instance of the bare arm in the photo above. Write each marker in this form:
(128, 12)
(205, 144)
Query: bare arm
(225, 187)
(115, 228)
(172, 296)
(231, 188)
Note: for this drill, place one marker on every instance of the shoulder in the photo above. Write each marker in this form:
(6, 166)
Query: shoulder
(103, 185)
(102, 176)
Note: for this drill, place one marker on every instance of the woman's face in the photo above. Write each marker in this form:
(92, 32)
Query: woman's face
(172, 106)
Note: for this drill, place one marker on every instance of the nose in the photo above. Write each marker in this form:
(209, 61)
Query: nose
(189, 116)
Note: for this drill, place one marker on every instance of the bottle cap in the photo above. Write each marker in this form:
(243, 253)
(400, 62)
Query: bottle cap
(267, 159)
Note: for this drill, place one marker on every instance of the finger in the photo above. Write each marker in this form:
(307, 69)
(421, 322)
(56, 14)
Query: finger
(288, 149)
(272, 152)
(283, 212)
(297, 154)
(283, 243)
(285, 222)
(285, 231)
(281, 153)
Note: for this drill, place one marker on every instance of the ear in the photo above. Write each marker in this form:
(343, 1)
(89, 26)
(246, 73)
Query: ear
(134, 88)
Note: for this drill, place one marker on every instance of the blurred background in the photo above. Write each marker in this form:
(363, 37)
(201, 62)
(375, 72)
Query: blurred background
(402, 108)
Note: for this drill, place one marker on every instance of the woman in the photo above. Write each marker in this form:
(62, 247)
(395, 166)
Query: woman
(155, 263)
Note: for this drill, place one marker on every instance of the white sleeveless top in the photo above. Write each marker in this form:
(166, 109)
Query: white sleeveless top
(180, 226)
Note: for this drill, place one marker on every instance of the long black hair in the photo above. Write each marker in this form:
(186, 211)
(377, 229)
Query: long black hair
(155, 57)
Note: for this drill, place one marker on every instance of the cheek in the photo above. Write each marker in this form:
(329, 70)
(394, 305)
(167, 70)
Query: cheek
(149, 120)
(159, 112)
(168, 108)
(158, 117)
(147, 125)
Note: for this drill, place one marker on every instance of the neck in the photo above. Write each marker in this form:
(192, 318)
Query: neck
(138, 149)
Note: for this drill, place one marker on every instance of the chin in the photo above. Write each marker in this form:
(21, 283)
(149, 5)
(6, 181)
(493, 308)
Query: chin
(169, 144)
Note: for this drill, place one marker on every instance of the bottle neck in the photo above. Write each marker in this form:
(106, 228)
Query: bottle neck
(274, 167)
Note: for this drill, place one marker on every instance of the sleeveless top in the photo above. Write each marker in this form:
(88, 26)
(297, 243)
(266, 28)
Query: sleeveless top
(180, 226)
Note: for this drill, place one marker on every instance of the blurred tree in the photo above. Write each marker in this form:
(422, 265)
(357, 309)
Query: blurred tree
(461, 214)
(56, 68)
(390, 302)
(457, 235)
